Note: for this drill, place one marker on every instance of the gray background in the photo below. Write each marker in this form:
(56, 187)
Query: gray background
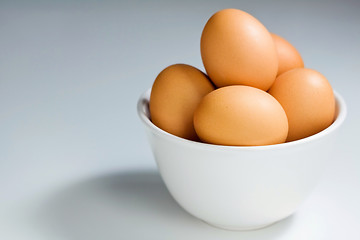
(74, 160)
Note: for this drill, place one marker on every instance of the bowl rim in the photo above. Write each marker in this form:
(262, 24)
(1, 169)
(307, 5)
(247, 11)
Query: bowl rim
(144, 115)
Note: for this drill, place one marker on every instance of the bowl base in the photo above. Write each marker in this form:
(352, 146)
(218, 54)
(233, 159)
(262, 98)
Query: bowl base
(237, 228)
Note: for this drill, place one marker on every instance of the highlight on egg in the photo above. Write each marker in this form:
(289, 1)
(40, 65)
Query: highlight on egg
(175, 94)
(237, 49)
(240, 116)
(308, 100)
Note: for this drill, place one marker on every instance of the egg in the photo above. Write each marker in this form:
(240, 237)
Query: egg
(308, 100)
(240, 116)
(175, 94)
(237, 49)
(288, 56)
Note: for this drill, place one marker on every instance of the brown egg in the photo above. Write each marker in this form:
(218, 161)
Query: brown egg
(240, 116)
(175, 94)
(288, 56)
(237, 49)
(308, 100)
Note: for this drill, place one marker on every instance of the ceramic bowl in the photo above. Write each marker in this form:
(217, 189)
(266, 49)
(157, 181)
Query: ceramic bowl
(240, 188)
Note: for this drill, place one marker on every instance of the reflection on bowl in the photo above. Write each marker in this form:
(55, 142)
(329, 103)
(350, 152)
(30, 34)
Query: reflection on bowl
(240, 188)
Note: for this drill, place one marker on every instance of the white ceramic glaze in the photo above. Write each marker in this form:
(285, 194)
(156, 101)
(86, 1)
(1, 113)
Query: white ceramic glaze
(240, 188)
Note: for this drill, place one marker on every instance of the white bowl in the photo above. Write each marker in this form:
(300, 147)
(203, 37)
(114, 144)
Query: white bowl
(240, 188)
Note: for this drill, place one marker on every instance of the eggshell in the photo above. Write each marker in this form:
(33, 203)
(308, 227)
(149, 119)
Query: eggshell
(288, 56)
(237, 49)
(240, 116)
(175, 94)
(308, 100)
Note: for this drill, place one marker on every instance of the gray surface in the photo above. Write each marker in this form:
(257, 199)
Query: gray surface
(74, 161)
